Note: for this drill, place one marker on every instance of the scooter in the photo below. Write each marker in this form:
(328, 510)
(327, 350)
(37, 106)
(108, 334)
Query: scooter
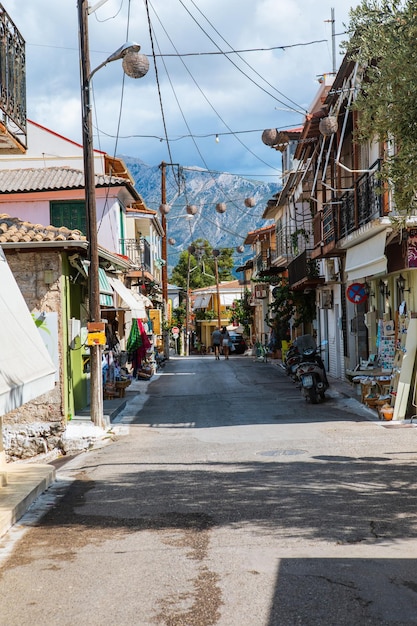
(292, 360)
(311, 372)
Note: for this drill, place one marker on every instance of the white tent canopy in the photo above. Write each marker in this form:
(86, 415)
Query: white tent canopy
(135, 304)
(26, 369)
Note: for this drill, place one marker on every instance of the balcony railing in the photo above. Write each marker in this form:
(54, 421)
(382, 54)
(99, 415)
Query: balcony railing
(12, 73)
(138, 251)
(345, 214)
(304, 270)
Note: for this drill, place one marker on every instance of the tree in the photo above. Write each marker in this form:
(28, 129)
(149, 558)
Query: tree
(202, 266)
(383, 38)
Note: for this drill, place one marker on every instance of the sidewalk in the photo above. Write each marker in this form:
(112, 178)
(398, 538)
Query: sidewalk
(27, 480)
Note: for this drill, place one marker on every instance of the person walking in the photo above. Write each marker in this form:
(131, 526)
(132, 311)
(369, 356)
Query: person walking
(216, 339)
(225, 342)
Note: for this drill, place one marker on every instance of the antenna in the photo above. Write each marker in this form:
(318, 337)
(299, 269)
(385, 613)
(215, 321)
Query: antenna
(333, 21)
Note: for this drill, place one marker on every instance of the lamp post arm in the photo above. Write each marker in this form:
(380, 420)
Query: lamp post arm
(129, 46)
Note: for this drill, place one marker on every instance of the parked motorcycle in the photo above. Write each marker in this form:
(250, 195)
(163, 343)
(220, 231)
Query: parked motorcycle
(311, 371)
(292, 360)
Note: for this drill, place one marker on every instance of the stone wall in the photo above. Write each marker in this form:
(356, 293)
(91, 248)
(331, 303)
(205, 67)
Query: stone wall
(36, 427)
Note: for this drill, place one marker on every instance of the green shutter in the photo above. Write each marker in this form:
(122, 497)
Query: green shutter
(69, 214)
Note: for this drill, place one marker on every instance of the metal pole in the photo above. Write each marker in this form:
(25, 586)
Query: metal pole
(216, 267)
(96, 381)
(187, 307)
(165, 259)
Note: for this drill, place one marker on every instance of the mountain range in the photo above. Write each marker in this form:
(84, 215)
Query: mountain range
(185, 186)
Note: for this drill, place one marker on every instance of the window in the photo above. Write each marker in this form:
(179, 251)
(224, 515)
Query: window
(70, 214)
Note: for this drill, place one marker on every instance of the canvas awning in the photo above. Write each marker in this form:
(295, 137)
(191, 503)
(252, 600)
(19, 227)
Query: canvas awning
(26, 369)
(367, 258)
(227, 299)
(136, 305)
(201, 302)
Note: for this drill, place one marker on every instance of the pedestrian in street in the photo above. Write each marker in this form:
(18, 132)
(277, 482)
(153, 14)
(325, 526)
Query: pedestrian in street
(225, 342)
(216, 339)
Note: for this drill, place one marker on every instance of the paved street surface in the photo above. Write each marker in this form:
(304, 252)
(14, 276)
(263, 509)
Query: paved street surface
(225, 499)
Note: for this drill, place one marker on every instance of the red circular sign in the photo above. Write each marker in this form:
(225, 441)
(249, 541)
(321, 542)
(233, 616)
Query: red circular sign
(356, 293)
(175, 330)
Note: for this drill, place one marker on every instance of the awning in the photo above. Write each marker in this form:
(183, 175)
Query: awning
(135, 305)
(26, 369)
(106, 292)
(201, 302)
(227, 299)
(367, 258)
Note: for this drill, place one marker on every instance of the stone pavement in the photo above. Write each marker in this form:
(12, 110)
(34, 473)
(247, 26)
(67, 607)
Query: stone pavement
(27, 480)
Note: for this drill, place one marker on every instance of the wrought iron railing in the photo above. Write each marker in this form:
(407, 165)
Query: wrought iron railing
(345, 214)
(12, 72)
(303, 267)
(362, 204)
(138, 251)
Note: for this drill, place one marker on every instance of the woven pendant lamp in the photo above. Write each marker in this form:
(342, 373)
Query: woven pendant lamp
(171, 241)
(240, 249)
(250, 202)
(328, 125)
(164, 209)
(221, 207)
(270, 137)
(135, 65)
(191, 209)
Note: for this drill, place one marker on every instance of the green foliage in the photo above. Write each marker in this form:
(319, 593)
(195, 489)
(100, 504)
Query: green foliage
(242, 312)
(178, 316)
(383, 37)
(209, 314)
(202, 266)
(296, 306)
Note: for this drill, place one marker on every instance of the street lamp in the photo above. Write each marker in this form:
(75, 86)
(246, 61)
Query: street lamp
(134, 66)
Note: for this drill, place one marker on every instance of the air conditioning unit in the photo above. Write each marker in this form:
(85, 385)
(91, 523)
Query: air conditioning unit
(261, 291)
(326, 299)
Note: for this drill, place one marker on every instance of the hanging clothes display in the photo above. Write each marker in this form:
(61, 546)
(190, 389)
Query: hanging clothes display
(137, 345)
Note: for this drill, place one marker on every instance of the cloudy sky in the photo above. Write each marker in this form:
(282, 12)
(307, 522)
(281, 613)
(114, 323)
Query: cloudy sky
(281, 49)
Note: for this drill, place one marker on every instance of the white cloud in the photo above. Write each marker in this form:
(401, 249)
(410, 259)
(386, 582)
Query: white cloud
(53, 90)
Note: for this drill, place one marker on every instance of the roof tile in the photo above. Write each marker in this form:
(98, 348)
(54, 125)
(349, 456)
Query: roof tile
(13, 230)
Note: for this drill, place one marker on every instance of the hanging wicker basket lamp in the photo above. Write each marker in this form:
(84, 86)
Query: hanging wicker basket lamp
(164, 209)
(328, 125)
(240, 249)
(250, 202)
(171, 241)
(135, 65)
(191, 209)
(221, 207)
(270, 137)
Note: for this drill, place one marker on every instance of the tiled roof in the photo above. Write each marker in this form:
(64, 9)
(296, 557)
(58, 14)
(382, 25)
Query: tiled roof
(50, 178)
(13, 230)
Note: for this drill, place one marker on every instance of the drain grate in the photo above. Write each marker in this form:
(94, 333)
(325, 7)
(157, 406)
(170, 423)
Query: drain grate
(290, 452)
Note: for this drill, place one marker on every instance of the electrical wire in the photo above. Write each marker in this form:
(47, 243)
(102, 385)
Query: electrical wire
(182, 113)
(157, 80)
(240, 57)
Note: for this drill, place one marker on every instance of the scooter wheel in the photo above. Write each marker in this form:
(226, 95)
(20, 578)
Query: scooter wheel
(313, 395)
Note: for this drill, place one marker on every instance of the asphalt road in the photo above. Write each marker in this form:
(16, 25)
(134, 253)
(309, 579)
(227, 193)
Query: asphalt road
(225, 500)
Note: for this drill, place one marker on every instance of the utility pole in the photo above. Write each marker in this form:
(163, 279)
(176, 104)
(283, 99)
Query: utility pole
(96, 381)
(165, 333)
(216, 253)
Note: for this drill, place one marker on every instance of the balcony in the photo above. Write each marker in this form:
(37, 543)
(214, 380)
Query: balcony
(344, 215)
(13, 88)
(138, 251)
(303, 272)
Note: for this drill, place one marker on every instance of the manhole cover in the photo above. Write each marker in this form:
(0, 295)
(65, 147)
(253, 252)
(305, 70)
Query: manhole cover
(282, 452)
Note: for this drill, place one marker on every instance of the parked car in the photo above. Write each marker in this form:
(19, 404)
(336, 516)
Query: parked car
(239, 343)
